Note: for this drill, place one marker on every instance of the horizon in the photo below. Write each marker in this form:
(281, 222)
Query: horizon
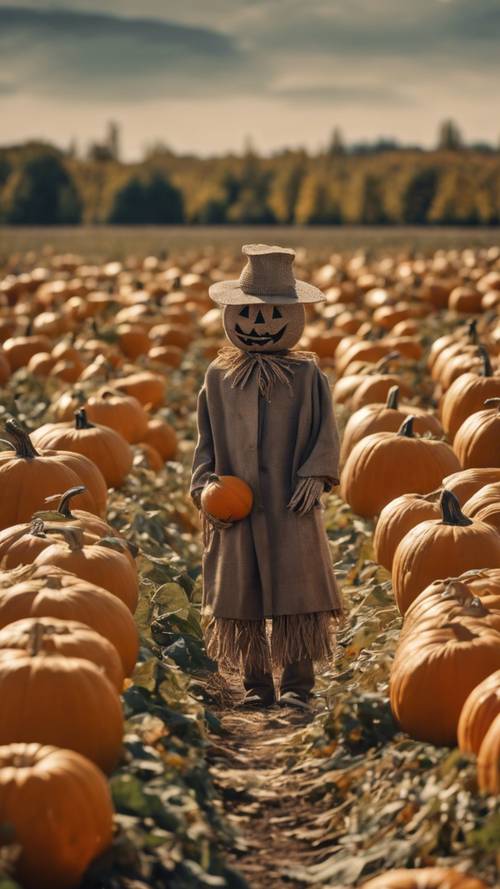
(205, 80)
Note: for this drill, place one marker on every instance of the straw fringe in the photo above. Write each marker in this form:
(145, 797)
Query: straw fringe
(269, 367)
(231, 642)
(294, 637)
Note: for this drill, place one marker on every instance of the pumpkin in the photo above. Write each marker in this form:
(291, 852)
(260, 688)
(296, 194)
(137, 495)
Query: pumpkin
(490, 515)
(4, 368)
(48, 636)
(424, 878)
(63, 701)
(397, 518)
(51, 592)
(472, 594)
(105, 564)
(450, 658)
(19, 349)
(41, 365)
(375, 388)
(364, 350)
(123, 413)
(375, 471)
(41, 475)
(227, 498)
(171, 356)
(20, 544)
(465, 483)
(147, 387)
(148, 457)
(467, 395)
(480, 709)
(453, 543)
(263, 327)
(35, 779)
(133, 340)
(477, 442)
(161, 436)
(105, 447)
(380, 417)
(486, 496)
(90, 524)
(488, 760)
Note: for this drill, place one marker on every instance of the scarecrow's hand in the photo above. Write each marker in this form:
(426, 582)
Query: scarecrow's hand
(218, 524)
(306, 495)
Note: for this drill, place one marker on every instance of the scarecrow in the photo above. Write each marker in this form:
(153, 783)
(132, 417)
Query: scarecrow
(265, 415)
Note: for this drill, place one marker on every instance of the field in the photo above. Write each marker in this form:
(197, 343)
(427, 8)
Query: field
(205, 793)
(144, 240)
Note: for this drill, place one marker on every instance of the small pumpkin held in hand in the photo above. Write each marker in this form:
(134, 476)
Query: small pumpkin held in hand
(227, 498)
(34, 780)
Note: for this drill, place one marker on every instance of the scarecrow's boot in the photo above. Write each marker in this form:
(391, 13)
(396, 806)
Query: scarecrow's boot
(297, 683)
(259, 688)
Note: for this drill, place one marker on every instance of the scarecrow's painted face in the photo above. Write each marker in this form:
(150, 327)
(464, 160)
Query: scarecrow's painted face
(264, 328)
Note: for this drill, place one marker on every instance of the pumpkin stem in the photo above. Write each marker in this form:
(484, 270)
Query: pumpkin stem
(451, 512)
(36, 635)
(493, 403)
(486, 370)
(406, 428)
(37, 528)
(72, 536)
(213, 477)
(382, 365)
(81, 420)
(393, 398)
(472, 331)
(21, 440)
(63, 507)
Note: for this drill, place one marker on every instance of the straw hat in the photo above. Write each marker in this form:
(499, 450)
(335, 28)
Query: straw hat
(267, 278)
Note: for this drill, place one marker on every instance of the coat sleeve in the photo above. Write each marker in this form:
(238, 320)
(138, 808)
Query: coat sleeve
(203, 459)
(321, 458)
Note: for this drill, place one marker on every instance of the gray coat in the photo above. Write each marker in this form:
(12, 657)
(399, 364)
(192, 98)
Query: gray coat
(274, 562)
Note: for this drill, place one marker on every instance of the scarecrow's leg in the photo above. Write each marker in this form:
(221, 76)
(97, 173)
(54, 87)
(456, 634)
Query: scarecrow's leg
(259, 684)
(298, 678)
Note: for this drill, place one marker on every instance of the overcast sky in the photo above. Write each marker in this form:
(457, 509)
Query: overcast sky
(202, 75)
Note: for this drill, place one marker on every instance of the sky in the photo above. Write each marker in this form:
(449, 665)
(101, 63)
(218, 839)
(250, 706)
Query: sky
(203, 76)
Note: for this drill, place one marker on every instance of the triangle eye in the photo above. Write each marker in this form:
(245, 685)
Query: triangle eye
(277, 313)
(245, 312)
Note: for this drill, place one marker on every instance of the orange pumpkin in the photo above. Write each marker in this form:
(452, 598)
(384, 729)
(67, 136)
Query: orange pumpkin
(162, 437)
(397, 518)
(465, 483)
(147, 387)
(486, 496)
(488, 760)
(90, 524)
(41, 475)
(480, 709)
(379, 417)
(476, 443)
(105, 447)
(453, 543)
(48, 636)
(123, 413)
(227, 498)
(450, 659)
(50, 592)
(104, 565)
(467, 394)
(376, 470)
(37, 779)
(472, 594)
(63, 701)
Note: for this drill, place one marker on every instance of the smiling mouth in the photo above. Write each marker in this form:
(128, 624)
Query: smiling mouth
(258, 339)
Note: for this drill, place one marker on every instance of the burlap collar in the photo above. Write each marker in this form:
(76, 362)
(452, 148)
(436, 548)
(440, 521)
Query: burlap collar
(270, 368)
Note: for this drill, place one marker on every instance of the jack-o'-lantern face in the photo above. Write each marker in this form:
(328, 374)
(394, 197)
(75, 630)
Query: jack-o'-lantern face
(264, 328)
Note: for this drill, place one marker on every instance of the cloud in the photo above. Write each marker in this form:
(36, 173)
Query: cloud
(98, 56)
(336, 94)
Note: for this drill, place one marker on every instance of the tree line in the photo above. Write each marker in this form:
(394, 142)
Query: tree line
(452, 185)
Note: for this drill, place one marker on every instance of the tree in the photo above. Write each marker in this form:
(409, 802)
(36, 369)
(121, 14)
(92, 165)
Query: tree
(449, 136)
(418, 196)
(337, 144)
(364, 202)
(150, 200)
(42, 192)
(286, 188)
(316, 204)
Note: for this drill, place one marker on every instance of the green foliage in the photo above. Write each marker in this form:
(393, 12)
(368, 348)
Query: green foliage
(41, 192)
(149, 200)
(450, 186)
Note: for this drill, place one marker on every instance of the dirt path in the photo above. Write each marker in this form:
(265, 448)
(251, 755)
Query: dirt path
(265, 798)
